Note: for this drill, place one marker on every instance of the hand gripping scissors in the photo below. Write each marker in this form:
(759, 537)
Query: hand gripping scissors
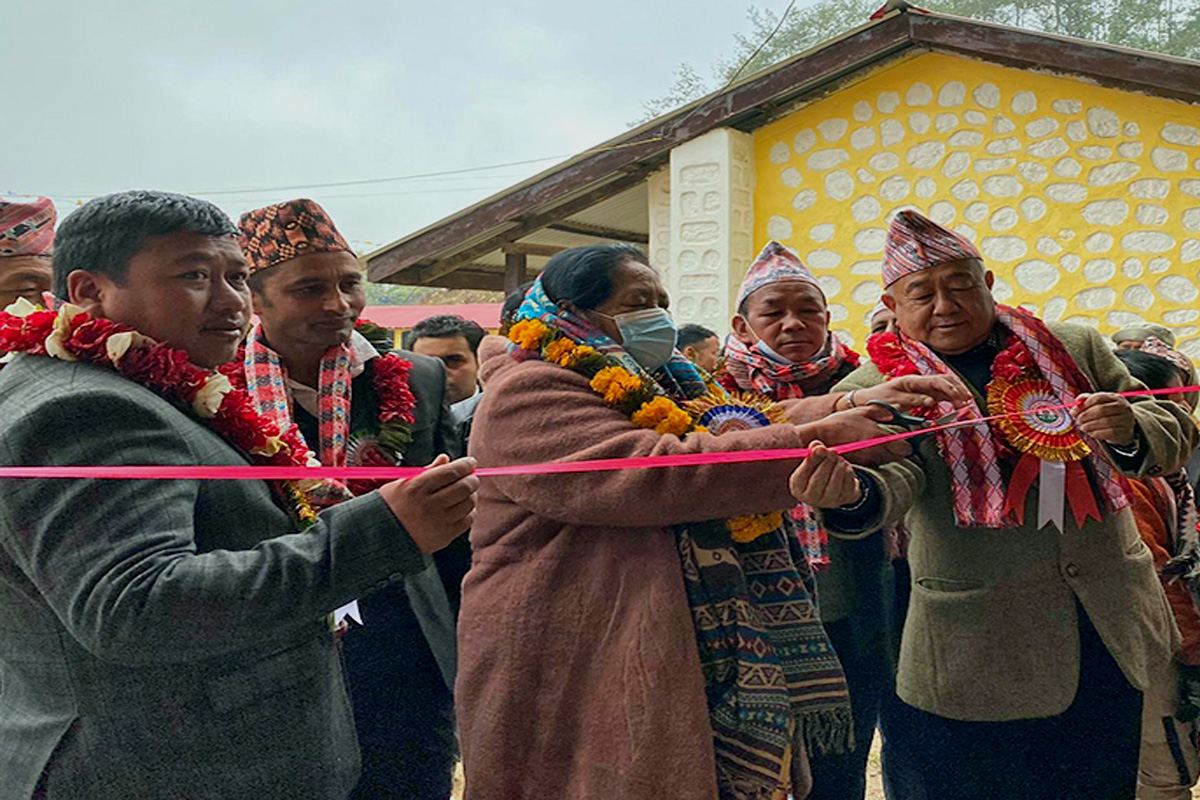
(911, 422)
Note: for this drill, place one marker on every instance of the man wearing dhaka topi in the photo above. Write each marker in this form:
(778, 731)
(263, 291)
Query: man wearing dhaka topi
(305, 362)
(26, 243)
(1036, 617)
(172, 638)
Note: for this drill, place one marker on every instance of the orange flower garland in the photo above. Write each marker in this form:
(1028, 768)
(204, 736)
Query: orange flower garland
(566, 353)
(663, 416)
(530, 334)
(749, 527)
(630, 394)
(616, 384)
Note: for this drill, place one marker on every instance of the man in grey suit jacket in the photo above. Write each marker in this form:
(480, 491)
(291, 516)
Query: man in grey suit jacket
(169, 638)
(307, 289)
(1027, 646)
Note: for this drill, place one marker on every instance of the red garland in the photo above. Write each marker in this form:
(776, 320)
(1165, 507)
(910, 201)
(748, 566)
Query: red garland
(1014, 361)
(26, 334)
(887, 354)
(390, 379)
(397, 406)
(396, 401)
(168, 373)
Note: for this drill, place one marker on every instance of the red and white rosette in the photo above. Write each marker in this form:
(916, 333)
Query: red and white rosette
(1034, 424)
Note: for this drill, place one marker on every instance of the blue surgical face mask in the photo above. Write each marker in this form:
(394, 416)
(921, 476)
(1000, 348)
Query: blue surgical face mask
(648, 335)
(769, 353)
(766, 351)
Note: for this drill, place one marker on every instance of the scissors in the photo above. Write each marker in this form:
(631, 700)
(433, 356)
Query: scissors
(911, 422)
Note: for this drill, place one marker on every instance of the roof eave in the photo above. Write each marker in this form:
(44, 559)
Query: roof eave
(750, 103)
(643, 149)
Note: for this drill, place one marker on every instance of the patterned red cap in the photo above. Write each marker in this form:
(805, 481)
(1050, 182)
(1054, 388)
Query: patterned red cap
(774, 264)
(915, 243)
(1157, 347)
(280, 232)
(27, 227)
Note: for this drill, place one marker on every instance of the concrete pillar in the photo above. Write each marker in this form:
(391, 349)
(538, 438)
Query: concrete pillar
(712, 226)
(516, 271)
(658, 195)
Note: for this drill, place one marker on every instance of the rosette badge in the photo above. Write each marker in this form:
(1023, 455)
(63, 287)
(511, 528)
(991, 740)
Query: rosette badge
(720, 414)
(1033, 421)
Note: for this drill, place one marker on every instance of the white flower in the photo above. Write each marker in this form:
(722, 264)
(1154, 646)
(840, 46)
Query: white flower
(62, 330)
(269, 448)
(119, 344)
(21, 308)
(307, 485)
(209, 396)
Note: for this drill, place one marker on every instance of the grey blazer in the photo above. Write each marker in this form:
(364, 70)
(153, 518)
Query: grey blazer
(992, 633)
(167, 638)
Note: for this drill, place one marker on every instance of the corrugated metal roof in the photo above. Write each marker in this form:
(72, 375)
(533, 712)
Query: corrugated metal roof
(605, 185)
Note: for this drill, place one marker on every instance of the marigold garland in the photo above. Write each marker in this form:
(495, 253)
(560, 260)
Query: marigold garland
(663, 416)
(749, 527)
(530, 334)
(70, 334)
(616, 384)
(627, 392)
(566, 353)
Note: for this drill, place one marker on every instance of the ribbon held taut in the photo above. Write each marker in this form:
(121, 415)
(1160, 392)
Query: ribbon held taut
(211, 473)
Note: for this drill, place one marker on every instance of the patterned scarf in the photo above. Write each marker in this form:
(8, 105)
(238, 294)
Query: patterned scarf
(752, 371)
(772, 679)
(1184, 536)
(972, 452)
(749, 370)
(1157, 347)
(266, 379)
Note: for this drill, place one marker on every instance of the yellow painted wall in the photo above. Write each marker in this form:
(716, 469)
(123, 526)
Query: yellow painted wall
(1084, 200)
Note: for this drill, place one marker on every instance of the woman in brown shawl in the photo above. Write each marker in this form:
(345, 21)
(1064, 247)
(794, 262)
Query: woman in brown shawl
(616, 640)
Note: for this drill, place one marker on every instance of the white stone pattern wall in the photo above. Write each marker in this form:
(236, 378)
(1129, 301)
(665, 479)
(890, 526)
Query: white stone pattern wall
(658, 190)
(1085, 214)
(712, 225)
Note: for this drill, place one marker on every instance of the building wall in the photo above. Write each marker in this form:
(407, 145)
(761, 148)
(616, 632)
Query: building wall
(712, 225)
(1084, 200)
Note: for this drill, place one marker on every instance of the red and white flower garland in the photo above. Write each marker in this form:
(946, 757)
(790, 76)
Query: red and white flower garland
(71, 334)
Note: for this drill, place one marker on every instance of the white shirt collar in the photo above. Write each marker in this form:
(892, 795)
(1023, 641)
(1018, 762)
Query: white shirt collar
(361, 351)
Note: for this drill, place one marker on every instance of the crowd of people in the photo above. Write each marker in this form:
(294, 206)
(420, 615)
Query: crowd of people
(1009, 597)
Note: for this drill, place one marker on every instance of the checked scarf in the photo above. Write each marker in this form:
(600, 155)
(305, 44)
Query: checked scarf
(266, 380)
(772, 679)
(972, 452)
(747, 369)
(1157, 347)
(752, 371)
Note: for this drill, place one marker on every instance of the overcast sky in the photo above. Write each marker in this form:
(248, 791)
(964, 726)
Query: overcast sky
(221, 95)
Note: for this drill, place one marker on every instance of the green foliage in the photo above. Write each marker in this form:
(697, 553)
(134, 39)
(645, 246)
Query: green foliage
(688, 86)
(1165, 26)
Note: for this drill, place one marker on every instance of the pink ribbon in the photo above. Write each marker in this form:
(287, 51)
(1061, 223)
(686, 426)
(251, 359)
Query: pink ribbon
(209, 473)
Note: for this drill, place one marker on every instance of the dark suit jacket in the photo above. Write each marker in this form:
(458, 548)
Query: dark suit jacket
(167, 638)
(414, 621)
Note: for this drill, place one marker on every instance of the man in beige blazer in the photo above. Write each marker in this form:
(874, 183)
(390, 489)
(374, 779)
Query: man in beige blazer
(1027, 645)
